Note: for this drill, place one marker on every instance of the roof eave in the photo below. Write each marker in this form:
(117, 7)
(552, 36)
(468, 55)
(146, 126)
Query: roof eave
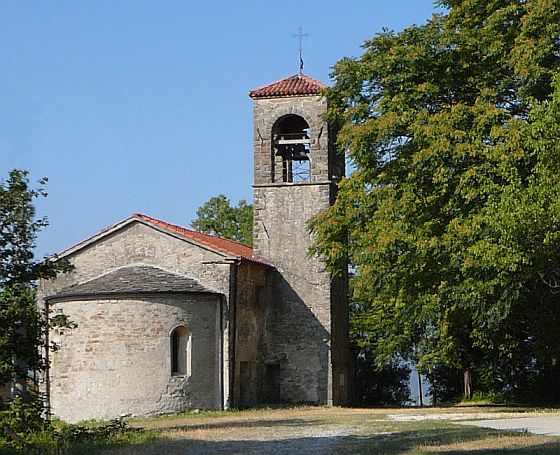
(102, 294)
(299, 95)
(313, 88)
(134, 218)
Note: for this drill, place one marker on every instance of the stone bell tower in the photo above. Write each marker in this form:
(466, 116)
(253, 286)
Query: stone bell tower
(297, 171)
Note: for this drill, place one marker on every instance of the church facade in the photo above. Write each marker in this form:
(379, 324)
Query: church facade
(170, 319)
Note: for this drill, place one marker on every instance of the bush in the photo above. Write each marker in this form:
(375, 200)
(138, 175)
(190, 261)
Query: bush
(491, 397)
(23, 430)
(18, 419)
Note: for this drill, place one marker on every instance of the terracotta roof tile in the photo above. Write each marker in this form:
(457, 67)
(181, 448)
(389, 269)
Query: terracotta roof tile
(296, 85)
(221, 244)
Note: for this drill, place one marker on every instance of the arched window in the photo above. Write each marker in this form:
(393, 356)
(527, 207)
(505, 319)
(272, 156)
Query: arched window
(291, 146)
(180, 351)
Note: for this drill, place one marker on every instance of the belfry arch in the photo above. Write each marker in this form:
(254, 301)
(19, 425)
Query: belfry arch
(291, 147)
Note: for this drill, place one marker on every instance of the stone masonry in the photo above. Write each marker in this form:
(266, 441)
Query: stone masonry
(119, 361)
(257, 326)
(311, 362)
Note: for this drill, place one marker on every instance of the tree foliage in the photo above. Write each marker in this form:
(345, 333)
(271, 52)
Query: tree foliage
(23, 427)
(218, 217)
(21, 323)
(450, 217)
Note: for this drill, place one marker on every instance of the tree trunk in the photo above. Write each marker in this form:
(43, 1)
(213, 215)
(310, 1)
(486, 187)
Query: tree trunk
(432, 387)
(467, 383)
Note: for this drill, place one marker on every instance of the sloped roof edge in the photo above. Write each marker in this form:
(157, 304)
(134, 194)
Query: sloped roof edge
(296, 85)
(222, 246)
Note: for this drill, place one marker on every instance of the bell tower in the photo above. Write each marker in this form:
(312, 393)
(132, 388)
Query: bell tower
(296, 174)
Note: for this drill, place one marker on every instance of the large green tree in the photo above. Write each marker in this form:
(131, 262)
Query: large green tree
(440, 122)
(526, 223)
(218, 217)
(21, 323)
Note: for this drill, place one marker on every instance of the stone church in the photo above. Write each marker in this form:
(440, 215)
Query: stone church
(170, 319)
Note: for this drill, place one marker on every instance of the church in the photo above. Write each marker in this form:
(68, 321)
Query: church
(170, 319)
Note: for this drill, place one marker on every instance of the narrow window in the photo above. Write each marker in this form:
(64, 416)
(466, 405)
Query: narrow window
(180, 350)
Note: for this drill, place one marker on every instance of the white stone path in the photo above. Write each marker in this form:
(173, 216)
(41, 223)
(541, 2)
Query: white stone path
(548, 425)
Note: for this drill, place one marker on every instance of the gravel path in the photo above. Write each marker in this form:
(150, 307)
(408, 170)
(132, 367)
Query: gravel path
(325, 431)
(321, 440)
(548, 425)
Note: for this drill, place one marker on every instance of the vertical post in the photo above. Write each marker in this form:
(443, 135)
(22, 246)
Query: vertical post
(221, 359)
(233, 396)
(47, 365)
(420, 387)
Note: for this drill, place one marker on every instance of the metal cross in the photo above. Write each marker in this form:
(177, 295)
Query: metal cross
(300, 35)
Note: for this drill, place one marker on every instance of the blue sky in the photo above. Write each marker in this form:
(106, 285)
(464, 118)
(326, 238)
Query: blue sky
(142, 106)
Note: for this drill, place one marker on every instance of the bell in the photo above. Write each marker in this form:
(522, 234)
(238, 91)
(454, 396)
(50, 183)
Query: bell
(283, 151)
(299, 153)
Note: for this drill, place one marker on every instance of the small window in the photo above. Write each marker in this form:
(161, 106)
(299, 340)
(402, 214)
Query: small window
(180, 351)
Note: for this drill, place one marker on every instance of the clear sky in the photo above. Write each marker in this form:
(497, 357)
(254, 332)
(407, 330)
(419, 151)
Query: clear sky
(142, 106)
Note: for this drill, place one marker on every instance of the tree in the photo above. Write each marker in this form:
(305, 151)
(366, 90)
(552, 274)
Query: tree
(439, 122)
(527, 221)
(21, 322)
(218, 217)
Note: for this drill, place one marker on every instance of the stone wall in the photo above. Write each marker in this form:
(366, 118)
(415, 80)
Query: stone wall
(137, 243)
(342, 363)
(298, 317)
(267, 111)
(307, 319)
(250, 324)
(118, 360)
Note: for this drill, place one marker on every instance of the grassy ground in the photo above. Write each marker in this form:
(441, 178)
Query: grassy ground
(77, 439)
(314, 431)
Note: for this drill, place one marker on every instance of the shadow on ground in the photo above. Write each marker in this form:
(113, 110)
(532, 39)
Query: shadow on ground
(379, 444)
(236, 424)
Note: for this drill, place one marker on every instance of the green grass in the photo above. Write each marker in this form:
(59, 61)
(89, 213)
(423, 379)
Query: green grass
(79, 439)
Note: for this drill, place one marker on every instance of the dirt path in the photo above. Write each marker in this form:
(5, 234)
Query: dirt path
(313, 431)
(318, 441)
(322, 431)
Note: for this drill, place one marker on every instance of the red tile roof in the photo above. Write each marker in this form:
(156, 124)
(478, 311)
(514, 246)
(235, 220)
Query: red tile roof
(297, 85)
(221, 244)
